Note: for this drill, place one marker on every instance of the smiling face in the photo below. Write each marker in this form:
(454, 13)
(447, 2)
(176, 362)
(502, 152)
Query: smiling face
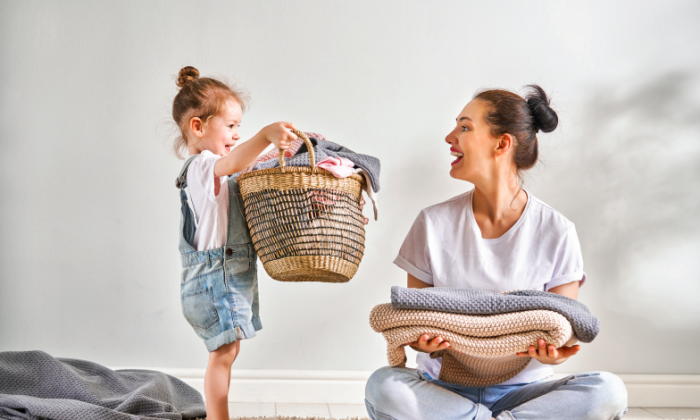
(472, 145)
(220, 133)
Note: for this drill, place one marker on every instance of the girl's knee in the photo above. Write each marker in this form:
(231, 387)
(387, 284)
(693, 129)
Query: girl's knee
(225, 354)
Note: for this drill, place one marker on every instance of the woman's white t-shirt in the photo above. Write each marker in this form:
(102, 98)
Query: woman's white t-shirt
(444, 248)
(211, 209)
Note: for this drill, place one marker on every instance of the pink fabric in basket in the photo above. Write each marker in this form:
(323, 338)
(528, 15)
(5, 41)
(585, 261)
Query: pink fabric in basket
(339, 167)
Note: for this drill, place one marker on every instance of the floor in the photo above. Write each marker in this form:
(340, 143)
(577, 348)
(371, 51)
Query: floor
(662, 413)
(344, 411)
(338, 411)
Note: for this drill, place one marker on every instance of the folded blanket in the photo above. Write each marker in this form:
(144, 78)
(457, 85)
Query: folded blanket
(483, 302)
(488, 343)
(34, 385)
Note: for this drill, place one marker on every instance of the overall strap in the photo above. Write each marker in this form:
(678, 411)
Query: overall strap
(181, 180)
(189, 219)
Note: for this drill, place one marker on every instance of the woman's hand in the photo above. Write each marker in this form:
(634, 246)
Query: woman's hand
(548, 355)
(428, 346)
(279, 134)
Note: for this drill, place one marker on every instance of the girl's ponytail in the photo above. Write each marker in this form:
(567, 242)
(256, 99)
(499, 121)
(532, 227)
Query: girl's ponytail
(186, 75)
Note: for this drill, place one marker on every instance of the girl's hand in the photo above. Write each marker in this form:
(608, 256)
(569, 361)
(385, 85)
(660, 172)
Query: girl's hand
(548, 355)
(278, 134)
(428, 346)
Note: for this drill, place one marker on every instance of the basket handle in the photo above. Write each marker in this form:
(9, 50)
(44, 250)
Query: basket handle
(309, 146)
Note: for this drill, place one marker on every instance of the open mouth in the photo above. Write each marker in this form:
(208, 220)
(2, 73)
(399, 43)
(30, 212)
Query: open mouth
(458, 155)
(228, 147)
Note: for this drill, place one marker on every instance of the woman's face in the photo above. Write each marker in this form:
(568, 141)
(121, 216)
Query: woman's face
(472, 145)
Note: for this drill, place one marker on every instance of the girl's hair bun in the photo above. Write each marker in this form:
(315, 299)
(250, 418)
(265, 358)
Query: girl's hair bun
(186, 75)
(544, 117)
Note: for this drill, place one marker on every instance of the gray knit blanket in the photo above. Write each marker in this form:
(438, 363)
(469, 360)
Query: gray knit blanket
(482, 302)
(323, 149)
(36, 386)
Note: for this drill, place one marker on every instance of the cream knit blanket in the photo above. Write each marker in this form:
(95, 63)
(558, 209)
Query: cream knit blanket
(488, 343)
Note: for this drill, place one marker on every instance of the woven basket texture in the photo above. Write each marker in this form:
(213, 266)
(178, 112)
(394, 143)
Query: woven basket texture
(487, 343)
(306, 224)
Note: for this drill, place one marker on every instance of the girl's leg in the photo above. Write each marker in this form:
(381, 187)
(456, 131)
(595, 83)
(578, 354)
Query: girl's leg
(405, 394)
(217, 380)
(595, 395)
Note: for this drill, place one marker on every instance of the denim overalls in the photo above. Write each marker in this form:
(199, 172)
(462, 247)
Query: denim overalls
(219, 287)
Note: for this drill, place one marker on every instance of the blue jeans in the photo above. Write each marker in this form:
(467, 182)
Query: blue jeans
(404, 394)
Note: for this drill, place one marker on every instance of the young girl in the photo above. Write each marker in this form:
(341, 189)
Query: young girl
(219, 286)
(495, 237)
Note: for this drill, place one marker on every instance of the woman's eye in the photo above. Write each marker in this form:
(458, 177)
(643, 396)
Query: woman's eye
(465, 128)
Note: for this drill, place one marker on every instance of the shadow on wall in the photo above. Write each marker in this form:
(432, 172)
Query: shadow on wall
(635, 165)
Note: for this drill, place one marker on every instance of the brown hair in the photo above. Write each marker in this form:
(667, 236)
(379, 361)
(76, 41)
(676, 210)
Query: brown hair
(522, 118)
(201, 97)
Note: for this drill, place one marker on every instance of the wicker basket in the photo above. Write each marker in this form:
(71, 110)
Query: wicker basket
(306, 224)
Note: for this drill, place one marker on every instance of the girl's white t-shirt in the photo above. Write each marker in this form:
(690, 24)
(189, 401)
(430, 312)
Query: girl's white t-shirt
(444, 248)
(210, 209)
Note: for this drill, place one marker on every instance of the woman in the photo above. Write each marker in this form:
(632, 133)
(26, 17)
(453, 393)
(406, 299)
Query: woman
(495, 237)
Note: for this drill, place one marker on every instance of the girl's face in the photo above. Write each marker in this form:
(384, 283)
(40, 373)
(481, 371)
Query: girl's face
(472, 145)
(221, 132)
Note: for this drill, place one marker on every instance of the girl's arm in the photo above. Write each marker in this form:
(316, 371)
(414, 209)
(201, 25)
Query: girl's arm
(243, 155)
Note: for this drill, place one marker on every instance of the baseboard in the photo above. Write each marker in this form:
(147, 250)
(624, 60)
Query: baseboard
(663, 390)
(286, 386)
(348, 387)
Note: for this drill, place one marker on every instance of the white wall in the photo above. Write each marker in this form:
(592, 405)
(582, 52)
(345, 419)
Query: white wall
(89, 266)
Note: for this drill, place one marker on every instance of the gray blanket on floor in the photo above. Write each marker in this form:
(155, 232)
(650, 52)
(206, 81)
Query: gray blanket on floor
(483, 302)
(34, 385)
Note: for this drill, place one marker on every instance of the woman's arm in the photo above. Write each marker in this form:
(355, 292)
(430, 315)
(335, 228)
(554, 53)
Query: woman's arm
(545, 353)
(569, 290)
(423, 344)
(414, 283)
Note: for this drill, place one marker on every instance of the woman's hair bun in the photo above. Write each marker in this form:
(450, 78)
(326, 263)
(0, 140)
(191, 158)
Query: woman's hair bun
(545, 119)
(186, 75)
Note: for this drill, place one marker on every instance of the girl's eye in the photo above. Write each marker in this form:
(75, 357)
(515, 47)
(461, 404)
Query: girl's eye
(465, 128)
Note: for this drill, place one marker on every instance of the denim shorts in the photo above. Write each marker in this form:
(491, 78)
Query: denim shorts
(219, 287)
(220, 295)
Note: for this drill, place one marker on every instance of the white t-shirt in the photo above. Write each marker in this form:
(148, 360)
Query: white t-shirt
(211, 209)
(444, 248)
